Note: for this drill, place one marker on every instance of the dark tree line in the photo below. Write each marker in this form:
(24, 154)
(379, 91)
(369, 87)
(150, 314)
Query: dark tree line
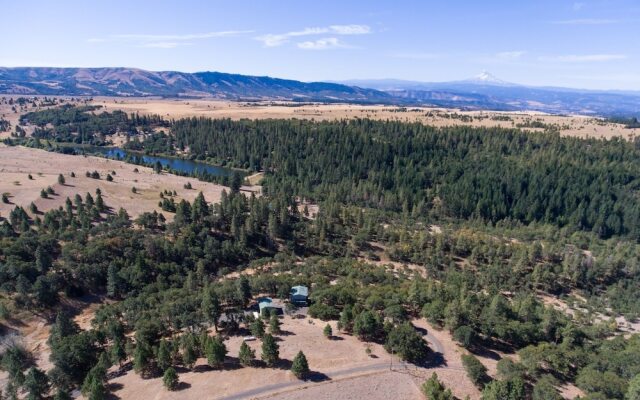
(464, 172)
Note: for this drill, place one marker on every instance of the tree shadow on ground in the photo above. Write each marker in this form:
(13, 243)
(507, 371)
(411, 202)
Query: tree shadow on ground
(433, 360)
(232, 363)
(284, 364)
(420, 330)
(485, 352)
(488, 344)
(316, 376)
(114, 386)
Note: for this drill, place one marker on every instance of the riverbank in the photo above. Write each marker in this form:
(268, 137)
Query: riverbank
(17, 163)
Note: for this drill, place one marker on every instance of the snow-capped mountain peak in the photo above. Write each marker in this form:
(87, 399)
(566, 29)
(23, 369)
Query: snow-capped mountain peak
(487, 78)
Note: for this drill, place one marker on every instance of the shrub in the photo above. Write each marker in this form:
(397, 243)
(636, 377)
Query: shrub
(404, 341)
(170, 379)
(323, 312)
(367, 326)
(246, 356)
(328, 331)
(270, 350)
(464, 335)
(433, 389)
(476, 371)
(300, 366)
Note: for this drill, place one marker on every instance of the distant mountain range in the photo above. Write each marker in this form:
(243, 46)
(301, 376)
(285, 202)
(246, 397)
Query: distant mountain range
(137, 82)
(487, 92)
(483, 92)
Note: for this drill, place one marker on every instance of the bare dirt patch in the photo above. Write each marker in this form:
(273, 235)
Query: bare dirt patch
(343, 355)
(384, 385)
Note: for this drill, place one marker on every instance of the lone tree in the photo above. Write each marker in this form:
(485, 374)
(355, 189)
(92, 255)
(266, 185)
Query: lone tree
(170, 379)
(464, 335)
(236, 182)
(328, 331)
(257, 328)
(61, 179)
(246, 356)
(367, 326)
(274, 324)
(93, 385)
(433, 389)
(244, 290)
(36, 383)
(404, 341)
(211, 306)
(300, 366)
(163, 358)
(189, 355)
(215, 351)
(270, 350)
(475, 369)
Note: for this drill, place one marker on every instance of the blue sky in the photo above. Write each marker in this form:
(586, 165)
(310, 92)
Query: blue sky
(584, 43)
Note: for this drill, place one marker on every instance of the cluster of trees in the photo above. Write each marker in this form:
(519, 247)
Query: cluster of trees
(629, 123)
(380, 185)
(464, 172)
(4, 125)
(80, 124)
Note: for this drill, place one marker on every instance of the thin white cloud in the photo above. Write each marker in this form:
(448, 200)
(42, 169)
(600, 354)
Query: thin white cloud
(165, 45)
(587, 21)
(190, 36)
(577, 6)
(322, 44)
(350, 29)
(573, 58)
(510, 55)
(165, 41)
(278, 39)
(417, 56)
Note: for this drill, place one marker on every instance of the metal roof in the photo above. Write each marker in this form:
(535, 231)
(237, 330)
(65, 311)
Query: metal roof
(300, 291)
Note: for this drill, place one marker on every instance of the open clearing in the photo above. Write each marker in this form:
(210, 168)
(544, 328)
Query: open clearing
(16, 163)
(341, 366)
(581, 126)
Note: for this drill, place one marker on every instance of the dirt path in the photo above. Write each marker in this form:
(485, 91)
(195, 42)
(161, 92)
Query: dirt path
(268, 390)
(384, 366)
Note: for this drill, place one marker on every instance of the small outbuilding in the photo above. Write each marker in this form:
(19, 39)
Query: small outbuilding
(267, 306)
(299, 295)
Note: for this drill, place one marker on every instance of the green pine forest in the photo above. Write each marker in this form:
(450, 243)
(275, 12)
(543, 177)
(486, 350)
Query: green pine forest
(520, 216)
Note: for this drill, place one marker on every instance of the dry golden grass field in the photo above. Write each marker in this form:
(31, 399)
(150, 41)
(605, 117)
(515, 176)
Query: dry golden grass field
(17, 163)
(567, 125)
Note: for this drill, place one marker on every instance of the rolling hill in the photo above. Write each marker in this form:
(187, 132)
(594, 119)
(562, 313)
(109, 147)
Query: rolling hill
(483, 92)
(137, 82)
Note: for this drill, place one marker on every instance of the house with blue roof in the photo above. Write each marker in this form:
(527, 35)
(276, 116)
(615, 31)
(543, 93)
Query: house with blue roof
(299, 295)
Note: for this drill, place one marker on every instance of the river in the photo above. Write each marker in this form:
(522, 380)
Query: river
(170, 163)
